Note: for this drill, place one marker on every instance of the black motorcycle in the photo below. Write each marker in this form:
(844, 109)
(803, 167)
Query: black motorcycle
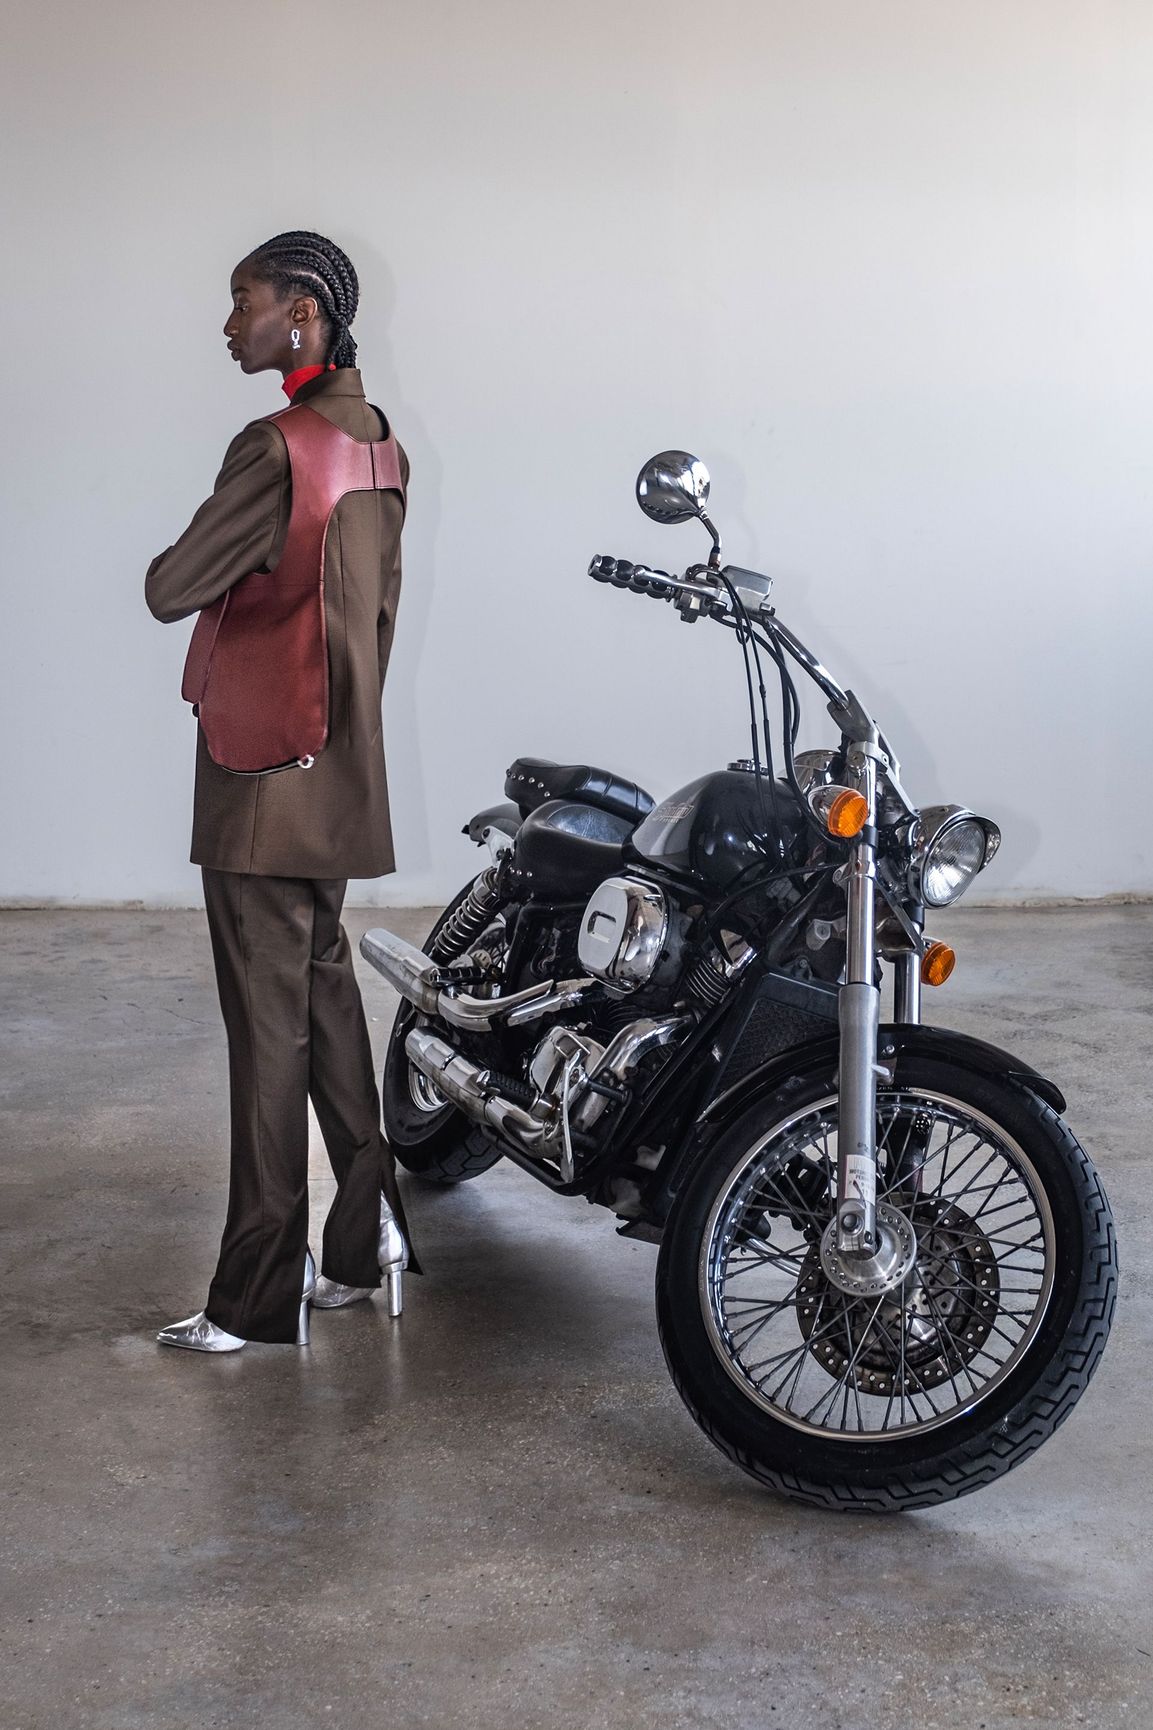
(887, 1267)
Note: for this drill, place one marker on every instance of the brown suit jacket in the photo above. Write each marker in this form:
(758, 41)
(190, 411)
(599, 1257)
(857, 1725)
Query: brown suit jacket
(331, 820)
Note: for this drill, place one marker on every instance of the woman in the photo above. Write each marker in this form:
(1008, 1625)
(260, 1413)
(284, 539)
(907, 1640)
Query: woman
(276, 848)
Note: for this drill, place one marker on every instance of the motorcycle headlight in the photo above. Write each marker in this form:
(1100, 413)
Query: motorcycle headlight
(950, 846)
(814, 769)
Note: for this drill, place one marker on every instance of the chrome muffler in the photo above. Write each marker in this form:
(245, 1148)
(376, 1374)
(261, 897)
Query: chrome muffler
(542, 1131)
(466, 1085)
(417, 977)
(404, 965)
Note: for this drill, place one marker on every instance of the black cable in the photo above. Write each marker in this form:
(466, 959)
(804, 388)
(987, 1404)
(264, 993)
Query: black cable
(737, 895)
(790, 702)
(747, 636)
(743, 626)
(743, 640)
(765, 723)
(792, 717)
(791, 720)
(789, 926)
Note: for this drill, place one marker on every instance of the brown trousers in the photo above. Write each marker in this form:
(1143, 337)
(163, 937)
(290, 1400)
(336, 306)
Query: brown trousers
(296, 1030)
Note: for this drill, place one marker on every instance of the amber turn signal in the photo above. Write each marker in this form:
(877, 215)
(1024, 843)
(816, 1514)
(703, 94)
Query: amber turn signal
(847, 815)
(937, 963)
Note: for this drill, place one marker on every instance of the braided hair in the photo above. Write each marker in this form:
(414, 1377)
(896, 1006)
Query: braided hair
(300, 262)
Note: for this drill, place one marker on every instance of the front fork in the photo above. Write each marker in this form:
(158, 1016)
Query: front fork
(859, 1016)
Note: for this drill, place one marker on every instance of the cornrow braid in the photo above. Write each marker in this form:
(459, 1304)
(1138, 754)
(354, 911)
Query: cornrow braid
(305, 263)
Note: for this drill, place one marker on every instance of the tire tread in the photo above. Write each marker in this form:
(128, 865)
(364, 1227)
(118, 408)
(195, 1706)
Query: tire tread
(473, 1154)
(1041, 1411)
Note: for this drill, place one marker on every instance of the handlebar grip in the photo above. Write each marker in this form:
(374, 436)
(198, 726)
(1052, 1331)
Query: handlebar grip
(605, 569)
(623, 574)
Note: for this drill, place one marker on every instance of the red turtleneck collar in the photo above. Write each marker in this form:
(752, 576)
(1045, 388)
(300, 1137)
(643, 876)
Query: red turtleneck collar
(301, 376)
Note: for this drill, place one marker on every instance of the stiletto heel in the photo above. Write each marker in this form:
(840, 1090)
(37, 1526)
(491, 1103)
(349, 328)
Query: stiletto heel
(303, 1326)
(392, 1257)
(392, 1254)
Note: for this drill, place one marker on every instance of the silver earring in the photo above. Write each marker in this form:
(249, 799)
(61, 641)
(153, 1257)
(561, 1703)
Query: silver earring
(295, 337)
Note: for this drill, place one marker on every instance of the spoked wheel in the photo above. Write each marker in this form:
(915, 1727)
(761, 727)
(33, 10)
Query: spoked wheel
(429, 1136)
(941, 1362)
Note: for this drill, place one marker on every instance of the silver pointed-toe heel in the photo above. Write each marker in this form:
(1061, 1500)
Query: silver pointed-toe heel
(392, 1254)
(303, 1328)
(331, 1295)
(198, 1334)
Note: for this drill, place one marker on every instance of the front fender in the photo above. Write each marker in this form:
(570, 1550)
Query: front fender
(819, 1057)
(896, 1039)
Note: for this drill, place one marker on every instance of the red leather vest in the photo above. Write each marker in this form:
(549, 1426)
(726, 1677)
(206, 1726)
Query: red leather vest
(257, 664)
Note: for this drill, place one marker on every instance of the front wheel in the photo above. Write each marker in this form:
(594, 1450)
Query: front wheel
(972, 1343)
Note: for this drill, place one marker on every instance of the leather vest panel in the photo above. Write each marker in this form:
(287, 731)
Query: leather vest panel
(257, 665)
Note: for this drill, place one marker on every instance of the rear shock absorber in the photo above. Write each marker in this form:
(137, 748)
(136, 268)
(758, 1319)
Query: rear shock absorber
(470, 918)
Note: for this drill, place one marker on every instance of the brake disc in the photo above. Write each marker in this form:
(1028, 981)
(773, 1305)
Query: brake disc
(943, 1310)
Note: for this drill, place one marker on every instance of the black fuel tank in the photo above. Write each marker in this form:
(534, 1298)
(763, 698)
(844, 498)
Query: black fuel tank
(719, 824)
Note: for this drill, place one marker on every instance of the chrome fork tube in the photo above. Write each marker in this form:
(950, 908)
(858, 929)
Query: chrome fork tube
(859, 1014)
(907, 989)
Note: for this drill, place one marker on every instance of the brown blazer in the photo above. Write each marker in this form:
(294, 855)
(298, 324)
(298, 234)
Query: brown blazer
(331, 820)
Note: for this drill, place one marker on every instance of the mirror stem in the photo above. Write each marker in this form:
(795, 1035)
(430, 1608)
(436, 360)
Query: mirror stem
(715, 555)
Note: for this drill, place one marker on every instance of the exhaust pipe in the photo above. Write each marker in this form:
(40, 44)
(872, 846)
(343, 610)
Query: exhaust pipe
(470, 1087)
(403, 965)
(466, 1085)
(417, 977)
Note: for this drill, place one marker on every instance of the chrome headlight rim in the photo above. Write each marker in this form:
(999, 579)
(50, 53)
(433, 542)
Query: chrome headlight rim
(932, 828)
(814, 769)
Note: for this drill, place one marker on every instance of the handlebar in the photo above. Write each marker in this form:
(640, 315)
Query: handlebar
(622, 574)
(700, 594)
(697, 594)
(662, 585)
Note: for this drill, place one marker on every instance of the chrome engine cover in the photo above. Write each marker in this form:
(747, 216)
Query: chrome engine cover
(560, 1048)
(623, 932)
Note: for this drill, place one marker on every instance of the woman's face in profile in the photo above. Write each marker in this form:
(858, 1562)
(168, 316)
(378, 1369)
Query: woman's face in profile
(259, 327)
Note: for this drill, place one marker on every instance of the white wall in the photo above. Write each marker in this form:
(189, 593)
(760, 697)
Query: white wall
(885, 264)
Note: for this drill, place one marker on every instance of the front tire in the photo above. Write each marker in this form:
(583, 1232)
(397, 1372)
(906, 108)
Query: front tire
(912, 1396)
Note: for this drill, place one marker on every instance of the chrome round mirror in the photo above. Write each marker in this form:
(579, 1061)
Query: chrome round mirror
(673, 487)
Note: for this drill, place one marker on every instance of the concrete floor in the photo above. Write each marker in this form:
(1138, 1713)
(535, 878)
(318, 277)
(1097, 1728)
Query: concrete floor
(496, 1513)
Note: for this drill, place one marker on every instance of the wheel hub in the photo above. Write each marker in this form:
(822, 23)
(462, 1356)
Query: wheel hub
(425, 1095)
(902, 1342)
(933, 1317)
(885, 1269)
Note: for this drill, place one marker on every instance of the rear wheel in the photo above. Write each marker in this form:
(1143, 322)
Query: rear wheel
(973, 1335)
(429, 1137)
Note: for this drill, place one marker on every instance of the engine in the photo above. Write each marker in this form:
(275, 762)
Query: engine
(598, 1000)
(629, 936)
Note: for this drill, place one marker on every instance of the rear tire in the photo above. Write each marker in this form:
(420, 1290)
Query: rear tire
(439, 1146)
(757, 1205)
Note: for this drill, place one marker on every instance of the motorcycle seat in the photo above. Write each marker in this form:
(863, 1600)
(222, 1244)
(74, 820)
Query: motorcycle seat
(531, 781)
